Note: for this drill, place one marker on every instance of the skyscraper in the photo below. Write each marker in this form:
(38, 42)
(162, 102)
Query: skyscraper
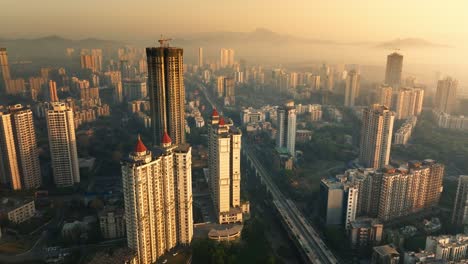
(394, 70)
(446, 95)
(352, 88)
(91, 60)
(53, 97)
(158, 199)
(229, 92)
(224, 145)
(167, 92)
(27, 151)
(385, 96)
(405, 103)
(9, 167)
(200, 57)
(4, 68)
(35, 86)
(376, 136)
(62, 143)
(460, 207)
(226, 57)
(408, 191)
(286, 128)
(20, 157)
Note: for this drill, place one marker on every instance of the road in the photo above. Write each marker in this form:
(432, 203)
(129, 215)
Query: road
(310, 243)
(314, 249)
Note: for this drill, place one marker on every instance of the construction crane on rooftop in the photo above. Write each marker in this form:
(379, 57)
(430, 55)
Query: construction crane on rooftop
(164, 42)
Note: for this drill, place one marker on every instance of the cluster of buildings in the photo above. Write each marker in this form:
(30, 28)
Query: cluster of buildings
(225, 88)
(195, 113)
(444, 111)
(386, 194)
(20, 158)
(445, 120)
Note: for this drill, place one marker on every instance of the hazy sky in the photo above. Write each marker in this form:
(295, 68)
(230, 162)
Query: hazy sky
(443, 22)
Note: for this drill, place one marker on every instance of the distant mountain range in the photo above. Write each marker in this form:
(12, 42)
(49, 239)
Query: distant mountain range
(52, 46)
(261, 44)
(410, 43)
(258, 35)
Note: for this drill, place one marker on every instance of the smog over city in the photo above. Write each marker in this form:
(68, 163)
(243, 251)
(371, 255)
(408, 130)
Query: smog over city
(247, 131)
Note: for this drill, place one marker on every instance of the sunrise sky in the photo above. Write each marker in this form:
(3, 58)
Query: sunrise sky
(443, 22)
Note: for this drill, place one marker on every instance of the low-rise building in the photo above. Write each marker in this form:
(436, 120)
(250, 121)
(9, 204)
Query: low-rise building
(17, 211)
(446, 247)
(403, 134)
(112, 222)
(445, 120)
(115, 256)
(365, 232)
(386, 254)
(303, 135)
(421, 257)
(252, 116)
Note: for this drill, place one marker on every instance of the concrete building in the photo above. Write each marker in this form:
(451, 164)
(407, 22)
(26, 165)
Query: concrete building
(314, 113)
(226, 57)
(314, 82)
(252, 116)
(408, 102)
(53, 97)
(394, 69)
(229, 91)
(224, 145)
(420, 258)
(91, 60)
(303, 135)
(460, 207)
(403, 134)
(17, 211)
(385, 95)
(112, 223)
(365, 232)
(134, 89)
(376, 136)
(200, 57)
(19, 163)
(446, 95)
(4, 69)
(386, 254)
(62, 142)
(410, 190)
(454, 122)
(167, 92)
(338, 201)
(286, 128)
(353, 84)
(15, 86)
(448, 248)
(36, 85)
(158, 199)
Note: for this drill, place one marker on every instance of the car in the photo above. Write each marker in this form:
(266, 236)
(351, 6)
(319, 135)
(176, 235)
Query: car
(164, 261)
(175, 254)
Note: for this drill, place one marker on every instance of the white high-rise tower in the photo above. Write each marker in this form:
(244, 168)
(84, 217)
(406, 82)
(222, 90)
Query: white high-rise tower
(158, 199)
(286, 128)
(19, 165)
(62, 142)
(224, 167)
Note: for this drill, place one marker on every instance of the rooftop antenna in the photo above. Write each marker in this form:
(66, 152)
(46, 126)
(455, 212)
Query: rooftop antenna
(164, 42)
